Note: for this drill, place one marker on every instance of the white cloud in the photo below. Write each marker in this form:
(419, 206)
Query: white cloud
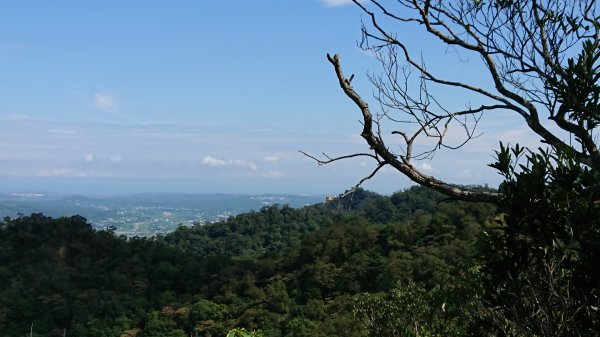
(116, 159)
(60, 172)
(271, 159)
(67, 172)
(213, 162)
(465, 174)
(106, 101)
(522, 135)
(245, 164)
(336, 3)
(61, 132)
(20, 118)
(89, 158)
(424, 167)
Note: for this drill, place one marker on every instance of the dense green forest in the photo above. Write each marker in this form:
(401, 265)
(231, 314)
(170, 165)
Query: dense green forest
(315, 271)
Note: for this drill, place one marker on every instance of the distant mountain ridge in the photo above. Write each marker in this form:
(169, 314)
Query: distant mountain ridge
(145, 214)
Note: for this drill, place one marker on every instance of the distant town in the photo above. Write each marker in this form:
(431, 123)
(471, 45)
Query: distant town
(145, 214)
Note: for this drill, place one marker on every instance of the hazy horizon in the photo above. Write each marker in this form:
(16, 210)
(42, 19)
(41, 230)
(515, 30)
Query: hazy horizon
(205, 97)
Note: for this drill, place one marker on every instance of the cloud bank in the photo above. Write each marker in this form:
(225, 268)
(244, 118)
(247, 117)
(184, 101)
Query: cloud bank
(214, 162)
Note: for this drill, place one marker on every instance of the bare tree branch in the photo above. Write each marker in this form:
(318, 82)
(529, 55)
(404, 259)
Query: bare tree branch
(538, 56)
(329, 160)
(403, 164)
(510, 98)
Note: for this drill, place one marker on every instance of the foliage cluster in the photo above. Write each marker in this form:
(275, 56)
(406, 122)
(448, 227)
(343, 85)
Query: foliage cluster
(541, 256)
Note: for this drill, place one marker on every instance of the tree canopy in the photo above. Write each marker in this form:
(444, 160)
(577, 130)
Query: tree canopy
(59, 277)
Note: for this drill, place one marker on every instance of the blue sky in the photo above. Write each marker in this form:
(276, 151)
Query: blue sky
(198, 97)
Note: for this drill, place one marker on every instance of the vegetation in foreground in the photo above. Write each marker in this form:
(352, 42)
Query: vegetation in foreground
(287, 272)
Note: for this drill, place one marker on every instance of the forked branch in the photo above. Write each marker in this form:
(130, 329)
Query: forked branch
(401, 163)
(541, 60)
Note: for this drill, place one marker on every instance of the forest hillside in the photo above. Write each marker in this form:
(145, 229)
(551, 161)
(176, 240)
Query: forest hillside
(285, 271)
